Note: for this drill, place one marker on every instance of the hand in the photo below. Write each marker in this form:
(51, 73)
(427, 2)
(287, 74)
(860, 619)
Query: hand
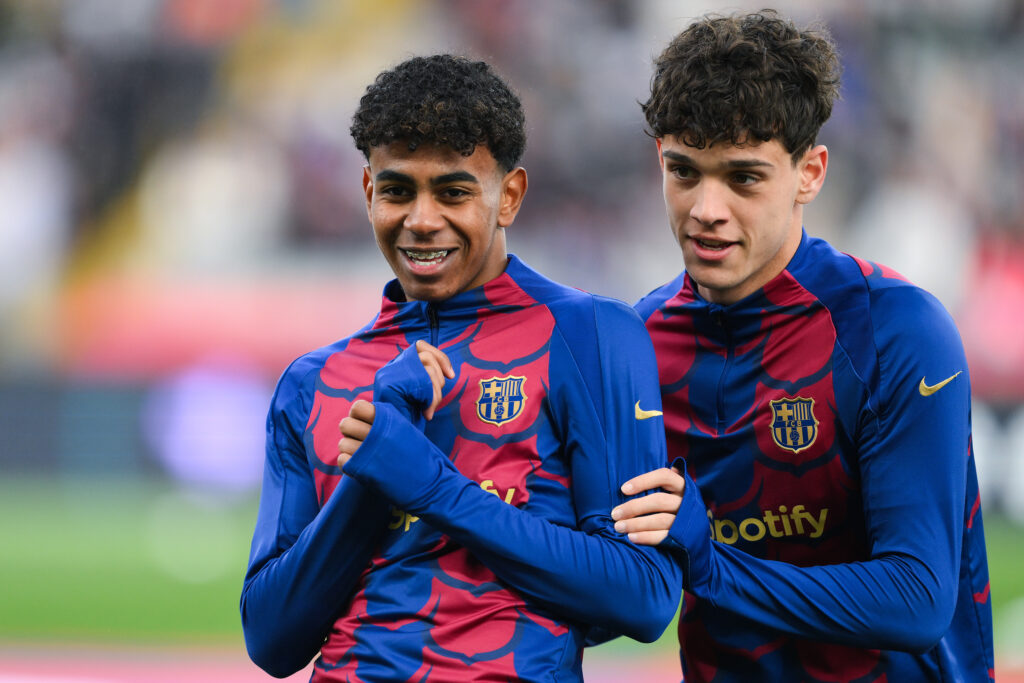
(354, 429)
(438, 366)
(647, 519)
(413, 381)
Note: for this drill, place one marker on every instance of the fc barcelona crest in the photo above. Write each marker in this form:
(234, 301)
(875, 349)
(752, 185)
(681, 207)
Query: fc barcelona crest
(794, 426)
(501, 399)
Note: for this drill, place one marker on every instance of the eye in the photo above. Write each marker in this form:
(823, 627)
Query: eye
(745, 179)
(454, 193)
(393, 191)
(683, 172)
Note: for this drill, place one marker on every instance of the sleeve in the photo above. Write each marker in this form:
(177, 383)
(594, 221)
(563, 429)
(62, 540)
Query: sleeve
(403, 383)
(305, 561)
(591, 574)
(913, 464)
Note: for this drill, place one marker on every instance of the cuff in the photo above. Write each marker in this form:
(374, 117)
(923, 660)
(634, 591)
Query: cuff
(397, 459)
(405, 384)
(690, 536)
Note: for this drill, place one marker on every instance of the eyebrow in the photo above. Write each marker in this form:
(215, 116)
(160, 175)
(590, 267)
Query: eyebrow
(732, 163)
(454, 177)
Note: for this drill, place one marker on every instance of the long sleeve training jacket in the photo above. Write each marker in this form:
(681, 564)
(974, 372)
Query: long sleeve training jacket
(832, 529)
(476, 545)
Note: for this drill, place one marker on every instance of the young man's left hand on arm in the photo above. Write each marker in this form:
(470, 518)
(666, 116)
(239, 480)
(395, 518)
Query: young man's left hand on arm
(647, 519)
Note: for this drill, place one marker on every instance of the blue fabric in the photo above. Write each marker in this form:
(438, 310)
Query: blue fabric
(846, 544)
(479, 544)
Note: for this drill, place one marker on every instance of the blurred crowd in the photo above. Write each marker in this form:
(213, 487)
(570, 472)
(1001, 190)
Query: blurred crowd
(181, 214)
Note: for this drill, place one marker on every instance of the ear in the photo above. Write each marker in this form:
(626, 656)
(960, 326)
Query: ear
(661, 159)
(513, 189)
(368, 189)
(813, 167)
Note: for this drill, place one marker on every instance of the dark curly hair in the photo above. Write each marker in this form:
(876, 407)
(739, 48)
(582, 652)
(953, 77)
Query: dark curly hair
(442, 99)
(744, 78)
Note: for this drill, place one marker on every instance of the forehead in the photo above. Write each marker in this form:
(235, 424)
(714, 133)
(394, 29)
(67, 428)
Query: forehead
(429, 160)
(771, 152)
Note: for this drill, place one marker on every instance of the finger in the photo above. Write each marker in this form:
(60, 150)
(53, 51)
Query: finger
(363, 410)
(439, 356)
(434, 370)
(434, 373)
(433, 367)
(664, 478)
(354, 429)
(661, 521)
(446, 365)
(438, 384)
(346, 449)
(646, 505)
(648, 537)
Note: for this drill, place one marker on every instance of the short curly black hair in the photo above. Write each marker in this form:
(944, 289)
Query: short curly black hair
(443, 99)
(744, 78)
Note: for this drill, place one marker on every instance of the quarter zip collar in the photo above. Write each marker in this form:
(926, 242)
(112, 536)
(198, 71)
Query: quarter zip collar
(464, 306)
(743, 319)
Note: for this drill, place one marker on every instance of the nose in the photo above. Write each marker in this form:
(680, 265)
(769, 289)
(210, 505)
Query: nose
(709, 205)
(424, 216)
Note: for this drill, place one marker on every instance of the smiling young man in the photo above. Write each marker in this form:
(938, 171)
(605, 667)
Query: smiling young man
(457, 528)
(829, 522)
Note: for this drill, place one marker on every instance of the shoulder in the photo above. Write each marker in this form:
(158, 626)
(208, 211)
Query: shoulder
(902, 311)
(576, 312)
(589, 327)
(881, 319)
(302, 375)
(909, 319)
(659, 297)
(583, 316)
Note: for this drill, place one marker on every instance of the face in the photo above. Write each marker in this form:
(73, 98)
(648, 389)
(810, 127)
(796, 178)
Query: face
(439, 217)
(737, 211)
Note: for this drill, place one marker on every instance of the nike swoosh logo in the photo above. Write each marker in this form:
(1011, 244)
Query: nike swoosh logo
(642, 414)
(929, 390)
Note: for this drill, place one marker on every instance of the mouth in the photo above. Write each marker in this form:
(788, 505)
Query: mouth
(711, 244)
(711, 249)
(425, 258)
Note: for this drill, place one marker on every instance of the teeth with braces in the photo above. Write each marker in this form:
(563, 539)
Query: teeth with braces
(426, 255)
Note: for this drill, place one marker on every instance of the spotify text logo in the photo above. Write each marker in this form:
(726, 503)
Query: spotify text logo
(774, 523)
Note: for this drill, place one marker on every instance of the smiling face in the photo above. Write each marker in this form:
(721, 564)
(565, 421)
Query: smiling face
(737, 210)
(439, 216)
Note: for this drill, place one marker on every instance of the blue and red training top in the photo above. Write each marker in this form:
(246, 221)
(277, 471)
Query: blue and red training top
(825, 422)
(478, 545)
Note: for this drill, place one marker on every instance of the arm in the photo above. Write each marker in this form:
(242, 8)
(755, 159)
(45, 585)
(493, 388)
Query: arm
(591, 574)
(593, 577)
(305, 561)
(912, 456)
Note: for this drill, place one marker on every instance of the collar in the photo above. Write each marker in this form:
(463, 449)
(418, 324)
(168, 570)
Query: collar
(755, 301)
(500, 292)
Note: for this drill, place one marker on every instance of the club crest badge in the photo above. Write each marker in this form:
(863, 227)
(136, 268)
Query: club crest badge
(501, 399)
(794, 426)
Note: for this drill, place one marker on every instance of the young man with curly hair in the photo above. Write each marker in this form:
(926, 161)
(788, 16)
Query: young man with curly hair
(823, 499)
(460, 529)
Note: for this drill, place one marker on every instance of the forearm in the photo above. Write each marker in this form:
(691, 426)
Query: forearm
(597, 577)
(290, 600)
(893, 602)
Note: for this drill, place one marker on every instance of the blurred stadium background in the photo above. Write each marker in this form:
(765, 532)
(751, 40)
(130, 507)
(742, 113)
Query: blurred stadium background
(181, 216)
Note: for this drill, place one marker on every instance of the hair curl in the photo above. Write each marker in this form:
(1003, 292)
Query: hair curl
(442, 99)
(744, 78)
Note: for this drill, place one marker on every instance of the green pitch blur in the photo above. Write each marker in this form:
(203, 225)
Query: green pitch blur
(134, 562)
